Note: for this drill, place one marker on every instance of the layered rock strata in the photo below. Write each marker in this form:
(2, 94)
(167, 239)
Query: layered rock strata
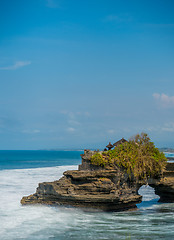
(164, 187)
(100, 189)
(104, 189)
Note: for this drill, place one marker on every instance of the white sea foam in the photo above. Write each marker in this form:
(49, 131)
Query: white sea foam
(148, 193)
(14, 184)
(59, 223)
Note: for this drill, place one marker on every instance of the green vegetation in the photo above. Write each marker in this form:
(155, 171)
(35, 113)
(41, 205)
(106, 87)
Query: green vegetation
(97, 159)
(139, 157)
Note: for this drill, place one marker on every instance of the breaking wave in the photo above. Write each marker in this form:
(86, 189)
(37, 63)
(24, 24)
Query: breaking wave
(150, 221)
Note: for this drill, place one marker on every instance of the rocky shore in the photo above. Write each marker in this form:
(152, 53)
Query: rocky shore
(164, 187)
(97, 188)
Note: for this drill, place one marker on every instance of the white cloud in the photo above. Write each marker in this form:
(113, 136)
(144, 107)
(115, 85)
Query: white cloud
(73, 115)
(71, 129)
(168, 127)
(74, 122)
(111, 131)
(34, 131)
(156, 96)
(152, 129)
(87, 114)
(75, 118)
(165, 127)
(16, 65)
(164, 100)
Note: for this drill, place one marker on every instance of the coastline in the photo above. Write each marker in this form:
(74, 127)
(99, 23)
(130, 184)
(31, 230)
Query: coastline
(95, 187)
(45, 222)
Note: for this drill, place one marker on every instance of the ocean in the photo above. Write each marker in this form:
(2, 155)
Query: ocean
(20, 173)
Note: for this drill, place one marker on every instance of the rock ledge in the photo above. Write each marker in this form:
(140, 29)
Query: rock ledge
(98, 189)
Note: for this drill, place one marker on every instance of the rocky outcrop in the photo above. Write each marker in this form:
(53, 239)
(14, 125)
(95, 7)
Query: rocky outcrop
(164, 187)
(98, 188)
(103, 189)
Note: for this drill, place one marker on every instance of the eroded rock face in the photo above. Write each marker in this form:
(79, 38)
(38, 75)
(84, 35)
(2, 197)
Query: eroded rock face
(164, 187)
(86, 164)
(108, 190)
(97, 188)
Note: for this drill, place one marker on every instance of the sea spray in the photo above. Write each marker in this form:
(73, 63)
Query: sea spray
(151, 221)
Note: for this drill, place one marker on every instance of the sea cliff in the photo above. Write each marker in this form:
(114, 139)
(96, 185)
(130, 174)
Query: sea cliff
(100, 188)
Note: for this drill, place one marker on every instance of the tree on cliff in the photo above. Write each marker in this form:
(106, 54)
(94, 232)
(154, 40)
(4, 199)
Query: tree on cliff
(138, 157)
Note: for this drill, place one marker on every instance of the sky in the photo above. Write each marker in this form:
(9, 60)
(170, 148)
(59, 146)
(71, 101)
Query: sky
(78, 74)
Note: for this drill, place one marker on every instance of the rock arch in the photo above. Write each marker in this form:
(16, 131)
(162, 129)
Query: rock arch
(100, 188)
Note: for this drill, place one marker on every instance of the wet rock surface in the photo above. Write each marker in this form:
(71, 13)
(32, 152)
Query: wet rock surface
(164, 187)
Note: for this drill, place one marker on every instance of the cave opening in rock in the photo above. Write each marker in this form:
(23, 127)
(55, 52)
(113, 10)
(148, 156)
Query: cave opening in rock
(148, 196)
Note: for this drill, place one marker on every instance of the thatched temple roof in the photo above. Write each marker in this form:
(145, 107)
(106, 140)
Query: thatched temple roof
(119, 142)
(109, 146)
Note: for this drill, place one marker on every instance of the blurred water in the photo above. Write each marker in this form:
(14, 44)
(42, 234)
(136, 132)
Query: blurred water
(169, 154)
(151, 221)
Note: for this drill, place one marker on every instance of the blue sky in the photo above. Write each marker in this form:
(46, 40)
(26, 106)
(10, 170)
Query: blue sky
(78, 74)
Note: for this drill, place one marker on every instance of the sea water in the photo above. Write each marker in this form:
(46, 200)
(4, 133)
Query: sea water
(20, 173)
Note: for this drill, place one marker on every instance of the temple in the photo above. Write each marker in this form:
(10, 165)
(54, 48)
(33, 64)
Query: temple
(116, 144)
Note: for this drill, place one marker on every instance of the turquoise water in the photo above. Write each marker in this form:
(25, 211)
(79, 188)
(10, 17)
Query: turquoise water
(33, 159)
(17, 159)
(20, 173)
